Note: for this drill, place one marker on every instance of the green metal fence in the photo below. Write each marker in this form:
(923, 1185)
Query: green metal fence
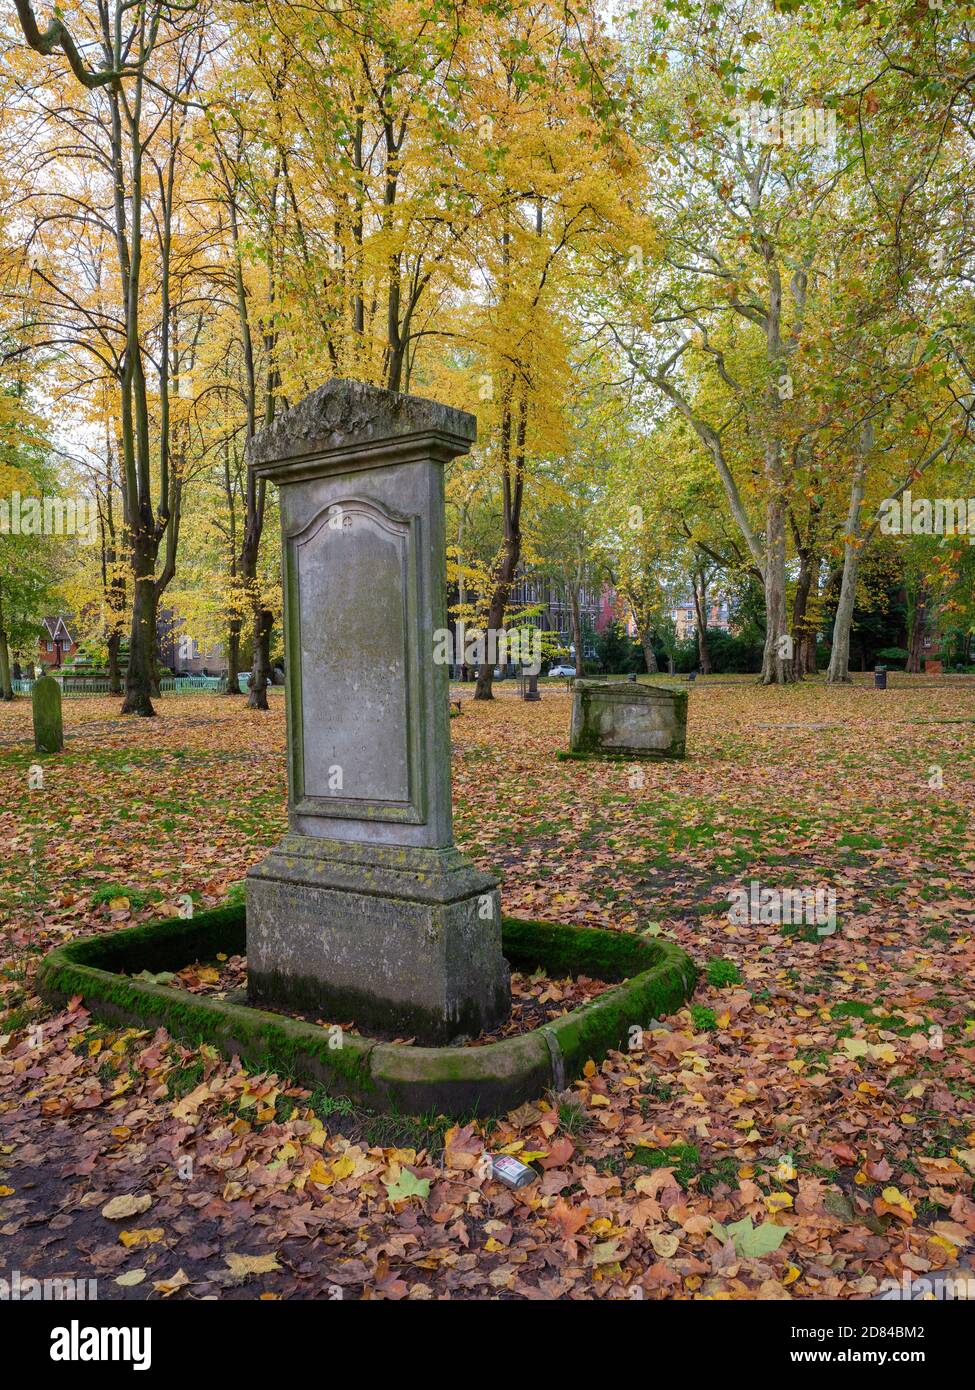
(171, 685)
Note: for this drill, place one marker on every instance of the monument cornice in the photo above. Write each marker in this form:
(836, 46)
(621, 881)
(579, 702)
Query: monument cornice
(350, 458)
(348, 425)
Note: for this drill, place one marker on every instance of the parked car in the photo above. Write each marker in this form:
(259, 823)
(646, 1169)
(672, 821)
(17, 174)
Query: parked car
(561, 668)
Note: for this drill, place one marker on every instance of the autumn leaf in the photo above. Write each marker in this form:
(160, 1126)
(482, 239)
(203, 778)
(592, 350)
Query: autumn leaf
(119, 1208)
(405, 1185)
(245, 1265)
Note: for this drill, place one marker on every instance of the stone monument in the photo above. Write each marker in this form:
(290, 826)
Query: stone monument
(627, 720)
(366, 912)
(45, 698)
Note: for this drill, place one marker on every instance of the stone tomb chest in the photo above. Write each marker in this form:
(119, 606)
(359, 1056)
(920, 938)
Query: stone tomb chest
(627, 720)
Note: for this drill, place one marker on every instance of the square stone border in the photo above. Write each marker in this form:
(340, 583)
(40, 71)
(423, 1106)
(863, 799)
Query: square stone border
(656, 976)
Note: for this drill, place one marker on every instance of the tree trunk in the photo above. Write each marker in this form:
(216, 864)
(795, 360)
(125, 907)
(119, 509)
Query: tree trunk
(141, 673)
(233, 657)
(701, 609)
(510, 555)
(777, 664)
(580, 657)
(261, 670)
(839, 658)
(915, 643)
(512, 487)
(800, 637)
(17, 671)
(649, 655)
(114, 678)
(6, 689)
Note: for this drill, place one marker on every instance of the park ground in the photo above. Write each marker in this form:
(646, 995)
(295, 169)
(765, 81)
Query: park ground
(805, 1129)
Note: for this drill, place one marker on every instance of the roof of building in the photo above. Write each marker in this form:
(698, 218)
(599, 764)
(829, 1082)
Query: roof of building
(57, 626)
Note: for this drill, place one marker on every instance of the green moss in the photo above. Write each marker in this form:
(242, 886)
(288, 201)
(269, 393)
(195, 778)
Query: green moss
(602, 955)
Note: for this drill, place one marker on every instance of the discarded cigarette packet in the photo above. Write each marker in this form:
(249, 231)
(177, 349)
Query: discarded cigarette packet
(511, 1171)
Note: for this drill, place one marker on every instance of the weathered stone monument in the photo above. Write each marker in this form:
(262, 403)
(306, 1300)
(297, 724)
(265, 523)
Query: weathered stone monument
(46, 710)
(366, 911)
(627, 720)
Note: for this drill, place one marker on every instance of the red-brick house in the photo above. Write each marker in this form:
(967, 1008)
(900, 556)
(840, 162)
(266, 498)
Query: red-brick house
(56, 644)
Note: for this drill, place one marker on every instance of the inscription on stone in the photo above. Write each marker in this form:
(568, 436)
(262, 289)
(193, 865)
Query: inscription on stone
(352, 571)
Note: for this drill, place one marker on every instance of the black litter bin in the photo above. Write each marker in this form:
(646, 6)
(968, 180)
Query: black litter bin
(880, 677)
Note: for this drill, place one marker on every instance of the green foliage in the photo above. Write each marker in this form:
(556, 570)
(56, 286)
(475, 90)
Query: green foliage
(704, 1020)
(751, 1241)
(892, 655)
(616, 653)
(722, 973)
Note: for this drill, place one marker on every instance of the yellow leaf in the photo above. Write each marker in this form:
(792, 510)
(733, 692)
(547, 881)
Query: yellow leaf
(779, 1201)
(146, 1235)
(664, 1243)
(244, 1265)
(177, 1281)
(121, 1208)
(895, 1198)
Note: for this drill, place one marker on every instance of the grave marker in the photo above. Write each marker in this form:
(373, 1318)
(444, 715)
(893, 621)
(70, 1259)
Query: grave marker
(366, 911)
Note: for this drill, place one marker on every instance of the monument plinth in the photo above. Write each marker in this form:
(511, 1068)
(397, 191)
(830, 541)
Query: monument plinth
(366, 911)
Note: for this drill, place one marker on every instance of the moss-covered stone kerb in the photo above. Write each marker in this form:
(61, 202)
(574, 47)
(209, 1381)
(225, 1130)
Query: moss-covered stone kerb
(459, 1081)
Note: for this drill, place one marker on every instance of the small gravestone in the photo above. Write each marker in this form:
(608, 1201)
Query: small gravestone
(626, 720)
(366, 911)
(46, 705)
